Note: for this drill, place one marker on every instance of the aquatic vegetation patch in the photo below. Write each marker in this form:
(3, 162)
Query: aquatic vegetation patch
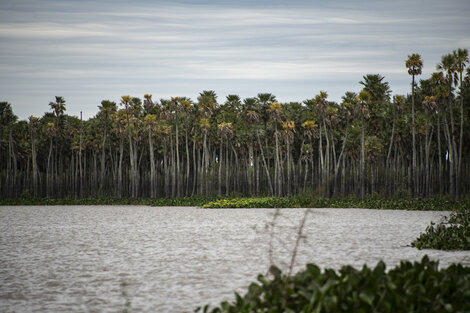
(409, 287)
(451, 234)
(433, 204)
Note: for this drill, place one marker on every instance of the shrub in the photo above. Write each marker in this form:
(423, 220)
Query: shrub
(409, 287)
(451, 234)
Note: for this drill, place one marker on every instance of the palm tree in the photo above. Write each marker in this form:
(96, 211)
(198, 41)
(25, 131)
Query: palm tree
(253, 117)
(275, 111)
(206, 104)
(150, 122)
(397, 106)
(378, 89)
(106, 109)
(288, 131)
(461, 60)
(321, 104)
(33, 126)
(127, 102)
(233, 102)
(58, 106)
(225, 132)
(50, 132)
(414, 64)
(310, 131)
(7, 120)
(449, 68)
(363, 99)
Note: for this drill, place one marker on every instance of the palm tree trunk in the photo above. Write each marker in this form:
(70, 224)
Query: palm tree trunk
(220, 168)
(103, 157)
(119, 174)
(34, 165)
(459, 167)
(152, 167)
(187, 164)
(48, 173)
(362, 158)
(178, 172)
(264, 163)
(227, 167)
(451, 159)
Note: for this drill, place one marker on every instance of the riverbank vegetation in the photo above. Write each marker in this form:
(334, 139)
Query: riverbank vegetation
(409, 287)
(371, 142)
(431, 204)
(428, 204)
(451, 234)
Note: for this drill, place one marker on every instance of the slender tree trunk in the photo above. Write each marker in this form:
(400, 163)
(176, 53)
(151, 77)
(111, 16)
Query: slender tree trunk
(178, 170)
(195, 169)
(34, 165)
(414, 173)
(227, 167)
(121, 153)
(186, 193)
(264, 163)
(103, 158)
(206, 157)
(49, 167)
(362, 158)
(220, 168)
(451, 159)
(152, 167)
(459, 167)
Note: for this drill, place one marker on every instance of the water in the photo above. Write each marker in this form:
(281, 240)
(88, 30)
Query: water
(169, 259)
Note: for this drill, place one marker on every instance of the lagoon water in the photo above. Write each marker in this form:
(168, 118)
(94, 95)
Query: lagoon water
(173, 259)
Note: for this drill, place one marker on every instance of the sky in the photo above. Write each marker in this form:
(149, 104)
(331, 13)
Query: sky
(89, 51)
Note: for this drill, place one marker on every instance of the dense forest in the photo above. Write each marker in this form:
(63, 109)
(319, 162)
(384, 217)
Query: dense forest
(371, 143)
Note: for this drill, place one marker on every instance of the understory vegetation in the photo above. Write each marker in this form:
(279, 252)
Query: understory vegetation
(451, 234)
(370, 142)
(409, 287)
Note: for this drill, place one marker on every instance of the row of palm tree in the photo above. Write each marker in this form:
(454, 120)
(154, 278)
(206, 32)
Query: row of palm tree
(369, 143)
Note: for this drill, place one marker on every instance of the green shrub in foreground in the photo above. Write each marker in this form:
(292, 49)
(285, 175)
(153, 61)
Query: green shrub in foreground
(452, 234)
(409, 287)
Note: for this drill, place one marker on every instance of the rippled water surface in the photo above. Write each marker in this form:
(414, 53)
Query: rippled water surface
(169, 259)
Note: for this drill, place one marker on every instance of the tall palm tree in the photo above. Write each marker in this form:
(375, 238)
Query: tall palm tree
(414, 64)
(106, 110)
(150, 122)
(449, 68)
(275, 110)
(363, 99)
(7, 120)
(321, 104)
(225, 132)
(127, 102)
(253, 117)
(33, 126)
(310, 128)
(461, 60)
(207, 104)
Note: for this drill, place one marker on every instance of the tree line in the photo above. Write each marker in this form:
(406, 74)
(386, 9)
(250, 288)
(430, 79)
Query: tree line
(370, 143)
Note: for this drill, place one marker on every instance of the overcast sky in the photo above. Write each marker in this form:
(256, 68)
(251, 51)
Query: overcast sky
(88, 51)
